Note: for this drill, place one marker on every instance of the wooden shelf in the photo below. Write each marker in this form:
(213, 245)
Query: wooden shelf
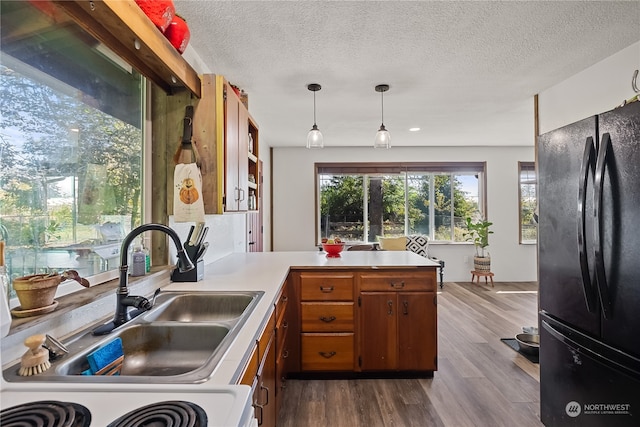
(125, 29)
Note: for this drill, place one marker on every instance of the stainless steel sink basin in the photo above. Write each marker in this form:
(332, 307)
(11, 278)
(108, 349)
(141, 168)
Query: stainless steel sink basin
(181, 340)
(159, 349)
(194, 307)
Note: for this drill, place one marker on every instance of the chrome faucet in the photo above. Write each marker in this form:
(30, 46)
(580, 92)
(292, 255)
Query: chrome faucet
(123, 299)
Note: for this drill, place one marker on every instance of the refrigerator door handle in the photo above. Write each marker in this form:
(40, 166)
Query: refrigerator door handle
(624, 364)
(601, 277)
(588, 165)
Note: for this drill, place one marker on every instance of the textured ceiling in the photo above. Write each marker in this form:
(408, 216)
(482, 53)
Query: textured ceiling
(464, 72)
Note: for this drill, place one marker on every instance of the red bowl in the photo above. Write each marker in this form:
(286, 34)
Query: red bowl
(333, 250)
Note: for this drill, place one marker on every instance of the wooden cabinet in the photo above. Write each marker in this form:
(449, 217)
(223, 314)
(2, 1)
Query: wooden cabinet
(260, 374)
(284, 353)
(254, 232)
(397, 318)
(238, 126)
(264, 397)
(327, 321)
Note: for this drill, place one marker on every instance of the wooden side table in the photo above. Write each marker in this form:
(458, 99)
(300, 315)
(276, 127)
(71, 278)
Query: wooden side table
(484, 274)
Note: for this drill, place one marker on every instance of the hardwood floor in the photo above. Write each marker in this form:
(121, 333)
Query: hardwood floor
(480, 381)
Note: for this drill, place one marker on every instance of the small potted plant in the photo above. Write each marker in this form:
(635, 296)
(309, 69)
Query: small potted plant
(36, 292)
(478, 232)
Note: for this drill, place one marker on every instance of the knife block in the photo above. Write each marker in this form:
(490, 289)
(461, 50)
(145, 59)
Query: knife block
(194, 275)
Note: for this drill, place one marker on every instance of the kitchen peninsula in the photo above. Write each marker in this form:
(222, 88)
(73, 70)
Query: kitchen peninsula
(366, 312)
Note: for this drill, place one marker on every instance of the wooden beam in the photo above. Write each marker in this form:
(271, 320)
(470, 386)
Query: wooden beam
(125, 29)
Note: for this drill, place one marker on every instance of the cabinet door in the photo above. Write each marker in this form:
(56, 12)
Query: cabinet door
(243, 156)
(416, 331)
(254, 231)
(265, 392)
(378, 317)
(231, 147)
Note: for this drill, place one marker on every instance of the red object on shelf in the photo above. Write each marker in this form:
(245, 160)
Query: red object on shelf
(178, 33)
(161, 12)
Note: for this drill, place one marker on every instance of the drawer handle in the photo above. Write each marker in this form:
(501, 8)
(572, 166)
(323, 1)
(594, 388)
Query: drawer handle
(262, 387)
(397, 285)
(328, 319)
(261, 408)
(327, 289)
(327, 354)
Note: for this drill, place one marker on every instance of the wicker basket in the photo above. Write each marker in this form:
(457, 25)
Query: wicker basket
(482, 264)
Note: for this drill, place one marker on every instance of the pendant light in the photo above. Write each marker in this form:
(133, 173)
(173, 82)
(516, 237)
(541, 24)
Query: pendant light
(314, 138)
(383, 137)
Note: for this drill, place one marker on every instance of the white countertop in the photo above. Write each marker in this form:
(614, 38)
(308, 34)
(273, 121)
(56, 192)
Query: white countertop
(263, 271)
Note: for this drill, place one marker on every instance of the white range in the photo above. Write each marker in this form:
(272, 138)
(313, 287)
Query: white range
(227, 406)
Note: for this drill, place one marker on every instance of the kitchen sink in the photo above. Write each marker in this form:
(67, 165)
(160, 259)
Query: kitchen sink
(180, 340)
(159, 349)
(194, 307)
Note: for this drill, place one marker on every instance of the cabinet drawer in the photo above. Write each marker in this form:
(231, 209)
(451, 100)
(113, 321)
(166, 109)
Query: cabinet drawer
(281, 303)
(251, 370)
(327, 316)
(326, 287)
(327, 352)
(282, 329)
(266, 336)
(400, 281)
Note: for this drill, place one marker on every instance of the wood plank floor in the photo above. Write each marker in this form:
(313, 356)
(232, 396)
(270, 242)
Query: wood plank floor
(480, 381)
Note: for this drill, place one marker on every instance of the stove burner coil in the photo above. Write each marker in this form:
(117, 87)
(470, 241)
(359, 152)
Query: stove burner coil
(46, 413)
(171, 413)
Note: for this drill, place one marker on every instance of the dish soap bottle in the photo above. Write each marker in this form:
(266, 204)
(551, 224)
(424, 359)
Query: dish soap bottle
(138, 261)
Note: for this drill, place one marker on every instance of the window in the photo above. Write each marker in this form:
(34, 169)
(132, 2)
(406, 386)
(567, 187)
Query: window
(359, 202)
(70, 145)
(528, 202)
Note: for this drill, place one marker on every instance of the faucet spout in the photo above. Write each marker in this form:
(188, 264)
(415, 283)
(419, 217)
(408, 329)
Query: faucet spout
(123, 300)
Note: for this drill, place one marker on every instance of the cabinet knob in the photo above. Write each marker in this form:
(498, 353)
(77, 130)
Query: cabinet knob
(405, 304)
(390, 304)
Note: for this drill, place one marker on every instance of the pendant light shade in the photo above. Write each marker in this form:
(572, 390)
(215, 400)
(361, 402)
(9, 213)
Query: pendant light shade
(383, 137)
(314, 137)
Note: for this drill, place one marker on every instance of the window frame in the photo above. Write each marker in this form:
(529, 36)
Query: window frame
(529, 167)
(145, 147)
(364, 168)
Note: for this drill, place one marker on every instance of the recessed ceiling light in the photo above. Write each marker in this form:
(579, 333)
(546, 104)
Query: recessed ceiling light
(414, 129)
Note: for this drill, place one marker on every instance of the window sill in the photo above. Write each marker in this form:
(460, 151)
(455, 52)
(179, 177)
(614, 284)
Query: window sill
(78, 310)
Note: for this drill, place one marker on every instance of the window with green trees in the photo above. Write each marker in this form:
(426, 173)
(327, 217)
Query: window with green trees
(359, 202)
(71, 140)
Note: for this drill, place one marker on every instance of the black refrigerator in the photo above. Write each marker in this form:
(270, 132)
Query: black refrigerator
(589, 271)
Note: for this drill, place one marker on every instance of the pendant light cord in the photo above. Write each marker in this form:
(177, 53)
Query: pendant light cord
(314, 108)
(382, 103)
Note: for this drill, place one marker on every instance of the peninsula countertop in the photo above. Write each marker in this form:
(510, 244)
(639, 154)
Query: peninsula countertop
(256, 271)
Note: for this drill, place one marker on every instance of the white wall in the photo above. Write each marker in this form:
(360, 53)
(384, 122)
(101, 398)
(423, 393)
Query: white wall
(595, 90)
(294, 202)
